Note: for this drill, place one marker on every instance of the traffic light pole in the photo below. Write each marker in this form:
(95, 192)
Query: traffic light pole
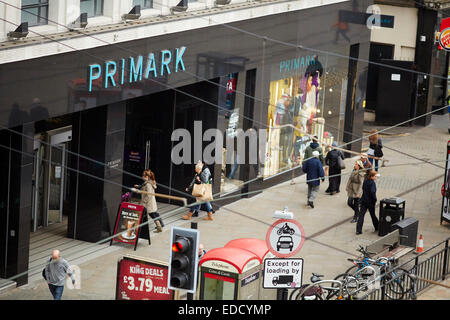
(190, 296)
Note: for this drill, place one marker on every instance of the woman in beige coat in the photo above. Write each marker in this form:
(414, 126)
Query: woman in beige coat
(354, 188)
(147, 190)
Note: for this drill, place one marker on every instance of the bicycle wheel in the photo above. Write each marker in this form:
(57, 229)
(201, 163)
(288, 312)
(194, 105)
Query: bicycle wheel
(408, 282)
(393, 288)
(352, 270)
(335, 293)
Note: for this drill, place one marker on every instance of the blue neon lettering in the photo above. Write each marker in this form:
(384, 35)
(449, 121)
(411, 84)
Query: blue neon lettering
(179, 59)
(122, 78)
(110, 75)
(165, 61)
(135, 71)
(151, 66)
(92, 76)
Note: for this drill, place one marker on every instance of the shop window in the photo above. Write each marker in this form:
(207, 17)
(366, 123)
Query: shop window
(294, 114)
(93, 8)
(35, 12)
(145, 4)
(233, 116)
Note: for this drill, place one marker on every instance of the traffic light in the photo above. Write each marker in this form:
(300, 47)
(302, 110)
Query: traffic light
(183, 259)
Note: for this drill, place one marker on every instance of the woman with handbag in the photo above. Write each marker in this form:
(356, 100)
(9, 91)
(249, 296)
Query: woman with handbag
(201, 189)
(335, 162)
(375, 148)
(148, 200)
(354, 188)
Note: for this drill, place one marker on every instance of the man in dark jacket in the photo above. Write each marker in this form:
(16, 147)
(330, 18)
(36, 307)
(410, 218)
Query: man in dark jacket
(314, 146)
(334, 173)
(314, 171)
(368, 201)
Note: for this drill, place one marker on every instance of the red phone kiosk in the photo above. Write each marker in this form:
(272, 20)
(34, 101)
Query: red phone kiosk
(229, 274)
(260, 249)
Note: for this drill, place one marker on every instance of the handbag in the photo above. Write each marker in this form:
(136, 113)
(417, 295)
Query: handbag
(341, 163)
(43, 274)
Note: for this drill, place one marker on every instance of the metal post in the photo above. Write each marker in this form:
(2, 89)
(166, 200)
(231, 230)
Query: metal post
(444, 269)
(190, 296)
(282, 294)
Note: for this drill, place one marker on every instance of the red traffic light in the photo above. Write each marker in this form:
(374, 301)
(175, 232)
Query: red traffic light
(180, 245)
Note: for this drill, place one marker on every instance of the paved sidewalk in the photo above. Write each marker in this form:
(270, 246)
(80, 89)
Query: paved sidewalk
(331, 238)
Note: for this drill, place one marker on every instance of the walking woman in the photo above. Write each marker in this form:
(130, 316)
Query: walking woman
(334, 172)
(148, 200)
(202, 175)
(375, 148)
(368, 201)
(354, 188)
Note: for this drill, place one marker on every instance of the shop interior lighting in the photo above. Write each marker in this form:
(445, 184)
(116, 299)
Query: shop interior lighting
(20, 32)
(180, 7)
(80, 23)
(134, 14)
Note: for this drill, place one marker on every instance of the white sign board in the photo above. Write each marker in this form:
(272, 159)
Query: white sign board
(283, 273)
(395, 77)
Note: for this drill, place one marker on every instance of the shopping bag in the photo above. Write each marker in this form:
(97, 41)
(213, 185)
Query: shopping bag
(207, 196)
(198, 190)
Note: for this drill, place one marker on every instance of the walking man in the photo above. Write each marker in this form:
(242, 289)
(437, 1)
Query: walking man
(55, 273)
(314, 171)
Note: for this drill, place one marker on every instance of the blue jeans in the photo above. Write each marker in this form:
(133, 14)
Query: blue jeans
(376, 163)
(197, 207)
(56, 291)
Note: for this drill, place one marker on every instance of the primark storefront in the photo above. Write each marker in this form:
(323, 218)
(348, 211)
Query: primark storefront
(117, 106)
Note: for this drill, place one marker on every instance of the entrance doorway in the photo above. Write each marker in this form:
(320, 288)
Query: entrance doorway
(50, 177)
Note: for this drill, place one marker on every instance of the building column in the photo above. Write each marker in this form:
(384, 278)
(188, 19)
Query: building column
(16, 169)
(98, 134)
(427, 20)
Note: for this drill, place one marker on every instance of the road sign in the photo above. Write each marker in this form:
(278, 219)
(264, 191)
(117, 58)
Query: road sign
(283, 273)
(285, 238)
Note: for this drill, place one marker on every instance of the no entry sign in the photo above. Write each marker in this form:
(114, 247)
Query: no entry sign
(285, 238)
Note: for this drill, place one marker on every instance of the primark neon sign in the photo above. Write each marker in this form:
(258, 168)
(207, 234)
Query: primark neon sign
(132, 69)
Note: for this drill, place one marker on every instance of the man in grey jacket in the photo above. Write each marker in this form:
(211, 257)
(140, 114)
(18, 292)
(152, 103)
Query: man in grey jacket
(55, 273)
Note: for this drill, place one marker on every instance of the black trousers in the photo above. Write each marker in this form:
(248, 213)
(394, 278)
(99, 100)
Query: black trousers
(354, 203)
(362, 213)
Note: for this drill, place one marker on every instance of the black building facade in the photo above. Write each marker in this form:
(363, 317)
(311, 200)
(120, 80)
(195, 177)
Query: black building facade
(95, 132)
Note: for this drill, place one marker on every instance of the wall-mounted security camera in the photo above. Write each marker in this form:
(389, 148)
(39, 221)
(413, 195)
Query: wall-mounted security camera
(20, 32)
(222, 2)
(80, 23)
(180, 7)
(134, 14)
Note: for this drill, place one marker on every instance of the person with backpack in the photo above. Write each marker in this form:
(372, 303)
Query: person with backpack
(314, 171)
(148, 200)
(368, 201)
(333, 160)
(314, 146)
(202, 176)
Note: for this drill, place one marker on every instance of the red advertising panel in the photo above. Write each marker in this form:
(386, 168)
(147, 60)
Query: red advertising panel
(444, 36)
(140, 279)
(128, 220)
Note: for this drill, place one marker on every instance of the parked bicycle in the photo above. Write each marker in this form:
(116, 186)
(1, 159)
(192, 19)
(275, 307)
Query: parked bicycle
(317, 290)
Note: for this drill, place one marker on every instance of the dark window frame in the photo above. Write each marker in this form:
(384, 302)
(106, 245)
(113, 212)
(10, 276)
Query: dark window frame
(39, 5)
